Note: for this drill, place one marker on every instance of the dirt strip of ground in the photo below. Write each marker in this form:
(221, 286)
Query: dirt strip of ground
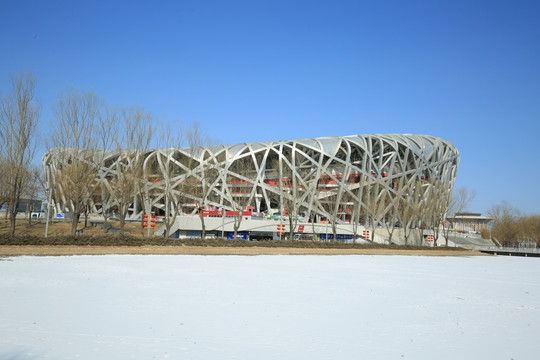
(9, 250)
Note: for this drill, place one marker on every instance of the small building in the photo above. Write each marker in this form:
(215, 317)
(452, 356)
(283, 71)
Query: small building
(468, 221)
(26, 204)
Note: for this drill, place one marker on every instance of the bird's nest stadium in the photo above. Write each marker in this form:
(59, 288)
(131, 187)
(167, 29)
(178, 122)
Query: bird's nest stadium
(343, 180)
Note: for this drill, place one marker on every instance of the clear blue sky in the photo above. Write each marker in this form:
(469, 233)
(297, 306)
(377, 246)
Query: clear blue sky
(466, 71)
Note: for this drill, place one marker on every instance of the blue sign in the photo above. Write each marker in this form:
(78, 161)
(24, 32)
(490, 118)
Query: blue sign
(240, 235)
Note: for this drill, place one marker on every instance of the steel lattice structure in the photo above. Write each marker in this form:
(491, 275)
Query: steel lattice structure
(314, 177)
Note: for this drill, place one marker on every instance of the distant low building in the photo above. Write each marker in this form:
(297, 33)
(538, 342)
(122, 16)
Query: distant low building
(26, 204)
(468, 221)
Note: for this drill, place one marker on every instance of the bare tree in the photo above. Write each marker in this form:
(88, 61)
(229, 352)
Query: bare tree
(206, 178)
(393, 215)
(355, 204)
(241, 186)
(457, 203)
(78, 159)
(176, 187)
(203, 174)
(505, 229)
(170, 161)
(530, 228)
(107, 200)
(19, 115)
(33, 189)
(376, 202)
(408, 207)
(129, 180)
(106, 136)
(4, 193)
(461, 198)
(188, 174)
(291, 188)
(313, 214)
(438, 202)
(329, 201)
(421, 205)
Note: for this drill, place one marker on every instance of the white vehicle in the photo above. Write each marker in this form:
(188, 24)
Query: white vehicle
(37, 215)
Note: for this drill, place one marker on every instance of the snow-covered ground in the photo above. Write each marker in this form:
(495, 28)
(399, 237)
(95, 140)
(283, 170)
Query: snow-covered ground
(269, 307)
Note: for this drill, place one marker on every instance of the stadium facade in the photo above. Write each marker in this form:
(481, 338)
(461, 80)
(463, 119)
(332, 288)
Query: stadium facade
(340, 180)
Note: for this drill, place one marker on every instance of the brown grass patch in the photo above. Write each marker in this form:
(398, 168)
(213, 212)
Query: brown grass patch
(30, 240)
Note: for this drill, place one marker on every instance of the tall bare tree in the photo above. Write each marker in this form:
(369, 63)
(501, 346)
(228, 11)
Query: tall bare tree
(33, 189)
(438, 202)
(376, 202)
(129, 180)
(329, 201)
(184, 184)
(407, 208)
(241, 185)
(392, 217)
(171, 168)
(203, 173)
(355, 205)
(4, 193)
(107, 135)
(292, 188)
(206, 178)
(76, 142)
(19, 115)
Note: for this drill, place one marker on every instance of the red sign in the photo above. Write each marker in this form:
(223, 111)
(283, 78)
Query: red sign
(301, 228)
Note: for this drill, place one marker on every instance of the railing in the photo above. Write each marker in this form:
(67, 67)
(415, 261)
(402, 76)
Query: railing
(508, 249)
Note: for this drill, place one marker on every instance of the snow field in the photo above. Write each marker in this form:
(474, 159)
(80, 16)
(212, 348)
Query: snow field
(269, 307)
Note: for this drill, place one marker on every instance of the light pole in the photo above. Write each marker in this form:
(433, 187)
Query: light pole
(222, 222)
(49, 195)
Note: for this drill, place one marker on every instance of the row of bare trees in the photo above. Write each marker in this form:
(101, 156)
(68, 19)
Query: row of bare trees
(411, 205)
(510, 227)
(85, 129)
(89, 134)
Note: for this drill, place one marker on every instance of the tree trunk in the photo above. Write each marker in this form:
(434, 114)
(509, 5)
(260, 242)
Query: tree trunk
(86, 218)
(237, 222)
(313, 219)
(122, 214)
(203, 228)
(167, 232)
(291, 229)
(12, 220)
(13, 207)
(74, 223)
